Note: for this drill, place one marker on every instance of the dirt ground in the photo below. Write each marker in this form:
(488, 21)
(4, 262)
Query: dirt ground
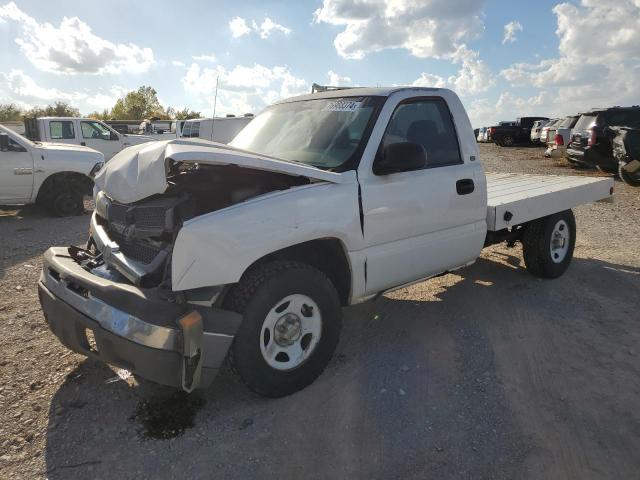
(485, 373)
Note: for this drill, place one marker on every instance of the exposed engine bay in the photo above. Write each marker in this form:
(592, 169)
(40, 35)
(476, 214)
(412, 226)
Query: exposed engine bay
(145, 231)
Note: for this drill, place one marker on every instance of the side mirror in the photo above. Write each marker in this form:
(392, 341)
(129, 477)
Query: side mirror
(4, 142)
(400, 157)
(114, 136)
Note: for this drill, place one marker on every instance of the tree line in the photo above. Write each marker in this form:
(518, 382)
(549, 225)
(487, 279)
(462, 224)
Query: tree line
(135, 105)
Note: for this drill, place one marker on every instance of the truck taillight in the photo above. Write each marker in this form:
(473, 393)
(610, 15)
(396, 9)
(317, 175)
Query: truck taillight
(559, 140)
(592, 138)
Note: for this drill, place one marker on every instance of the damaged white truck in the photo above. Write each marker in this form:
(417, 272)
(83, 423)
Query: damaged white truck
(198, 251)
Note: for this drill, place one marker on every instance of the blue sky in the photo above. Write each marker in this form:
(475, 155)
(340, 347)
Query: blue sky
(262, 51)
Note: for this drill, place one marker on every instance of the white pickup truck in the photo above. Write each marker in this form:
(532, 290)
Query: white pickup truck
(81, 131)
(56, 176)
(200, 250)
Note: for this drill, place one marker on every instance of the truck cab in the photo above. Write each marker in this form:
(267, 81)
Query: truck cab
(81, 131)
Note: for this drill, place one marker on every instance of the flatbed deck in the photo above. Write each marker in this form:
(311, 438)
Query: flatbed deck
(514, 198)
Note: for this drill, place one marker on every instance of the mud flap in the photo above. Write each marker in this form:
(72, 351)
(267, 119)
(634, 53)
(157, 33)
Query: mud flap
(192, 332)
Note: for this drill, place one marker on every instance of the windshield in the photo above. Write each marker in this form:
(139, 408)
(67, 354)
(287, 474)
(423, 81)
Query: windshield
(568, 122)
(324, 133)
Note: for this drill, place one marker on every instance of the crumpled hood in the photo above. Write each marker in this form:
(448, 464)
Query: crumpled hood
(140, 171)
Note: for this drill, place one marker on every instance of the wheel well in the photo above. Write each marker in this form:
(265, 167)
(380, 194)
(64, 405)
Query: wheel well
(327, 255)
(64, 181)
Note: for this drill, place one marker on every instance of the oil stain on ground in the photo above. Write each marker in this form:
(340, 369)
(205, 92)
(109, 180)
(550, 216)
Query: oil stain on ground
(168, 416)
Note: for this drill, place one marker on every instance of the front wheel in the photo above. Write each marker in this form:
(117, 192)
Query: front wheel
(65, 203)
(548, 243)
(290, 328)
(632, 179)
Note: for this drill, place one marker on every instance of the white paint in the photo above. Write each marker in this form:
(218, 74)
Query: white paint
(23, 172)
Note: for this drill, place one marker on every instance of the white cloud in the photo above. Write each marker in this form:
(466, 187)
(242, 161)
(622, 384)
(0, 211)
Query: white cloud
(18, 87)
(473, 77)
(510, 31)
(178, 63)
(337, 80)
(598, 62)
(72, 48)
(268, 26)
(204, 58)
(426, 28)
(241, 89)
(239, 27)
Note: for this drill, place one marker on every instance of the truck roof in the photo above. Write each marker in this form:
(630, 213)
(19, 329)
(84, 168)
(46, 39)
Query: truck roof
(363, 92)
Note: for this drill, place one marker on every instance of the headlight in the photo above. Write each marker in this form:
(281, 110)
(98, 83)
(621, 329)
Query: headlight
(102, 205)
(96, 168)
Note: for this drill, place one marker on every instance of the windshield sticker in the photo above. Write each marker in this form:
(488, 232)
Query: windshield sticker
(342, 106)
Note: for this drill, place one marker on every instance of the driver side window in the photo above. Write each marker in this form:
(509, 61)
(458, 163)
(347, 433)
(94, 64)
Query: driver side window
(426, 122)
(94, 130)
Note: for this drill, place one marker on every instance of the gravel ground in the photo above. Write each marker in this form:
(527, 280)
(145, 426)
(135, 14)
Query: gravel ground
(485, 373)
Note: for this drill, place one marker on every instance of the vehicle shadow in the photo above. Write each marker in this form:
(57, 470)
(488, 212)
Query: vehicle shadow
(19, 244)
(483, 373)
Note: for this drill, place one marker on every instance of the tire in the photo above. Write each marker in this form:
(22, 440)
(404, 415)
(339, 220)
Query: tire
(540, 256)
(628, 178)
(260, 351)
(65, 203)
(508, 141)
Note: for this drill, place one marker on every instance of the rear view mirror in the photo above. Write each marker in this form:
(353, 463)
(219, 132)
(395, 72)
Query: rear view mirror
(4, 142)
(400, 157)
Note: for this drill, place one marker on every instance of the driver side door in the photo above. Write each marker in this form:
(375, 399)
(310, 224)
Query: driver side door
(422, 222)
(97, 136)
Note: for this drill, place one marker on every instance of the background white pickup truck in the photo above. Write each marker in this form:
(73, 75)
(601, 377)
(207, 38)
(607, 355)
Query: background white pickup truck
(81, 131)
(56, 176)
(197, 249)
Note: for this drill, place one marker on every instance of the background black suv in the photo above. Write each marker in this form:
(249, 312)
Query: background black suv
(591, 142)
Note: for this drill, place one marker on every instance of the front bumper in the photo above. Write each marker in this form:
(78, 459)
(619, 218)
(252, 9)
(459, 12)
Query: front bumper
(131, 327)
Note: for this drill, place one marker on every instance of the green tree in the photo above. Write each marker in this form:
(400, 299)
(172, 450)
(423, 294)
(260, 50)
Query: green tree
(10, 112)
(57, 109)
(104, 115)
(184, 114)
(138, 105)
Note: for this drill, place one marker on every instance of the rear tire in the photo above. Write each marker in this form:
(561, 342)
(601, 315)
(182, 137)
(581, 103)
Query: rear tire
(291, 326)
(507, 141)
(628, 178)
(548, 243)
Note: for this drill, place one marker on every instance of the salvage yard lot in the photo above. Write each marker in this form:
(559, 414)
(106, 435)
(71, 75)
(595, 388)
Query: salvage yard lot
(484, 373)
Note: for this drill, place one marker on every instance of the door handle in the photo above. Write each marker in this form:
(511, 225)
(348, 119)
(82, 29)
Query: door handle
(465, 186)
(84, 144)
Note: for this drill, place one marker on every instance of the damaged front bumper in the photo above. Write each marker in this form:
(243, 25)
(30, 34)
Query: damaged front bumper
(180, 345)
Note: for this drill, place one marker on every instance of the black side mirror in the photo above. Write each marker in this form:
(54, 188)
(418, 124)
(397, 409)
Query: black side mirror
(114, 136)
(400, 157)
(4, 142)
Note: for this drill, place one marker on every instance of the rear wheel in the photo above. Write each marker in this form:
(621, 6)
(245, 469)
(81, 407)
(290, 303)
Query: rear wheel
(548, 243)
(632, 179)
(508, 141)
(290, 328)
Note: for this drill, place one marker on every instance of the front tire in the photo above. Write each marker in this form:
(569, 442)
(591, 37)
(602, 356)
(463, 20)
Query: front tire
(291, 326)
(548, 243)
(65, 203)
(632, 179)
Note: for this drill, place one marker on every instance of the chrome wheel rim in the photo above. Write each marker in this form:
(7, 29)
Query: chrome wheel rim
(290, 332)
(560, 237)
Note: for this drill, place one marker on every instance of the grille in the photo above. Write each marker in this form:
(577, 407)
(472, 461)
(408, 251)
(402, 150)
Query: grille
(135, 250)
(150, 216)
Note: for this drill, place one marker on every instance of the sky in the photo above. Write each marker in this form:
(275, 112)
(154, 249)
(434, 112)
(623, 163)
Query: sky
(505, 59)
